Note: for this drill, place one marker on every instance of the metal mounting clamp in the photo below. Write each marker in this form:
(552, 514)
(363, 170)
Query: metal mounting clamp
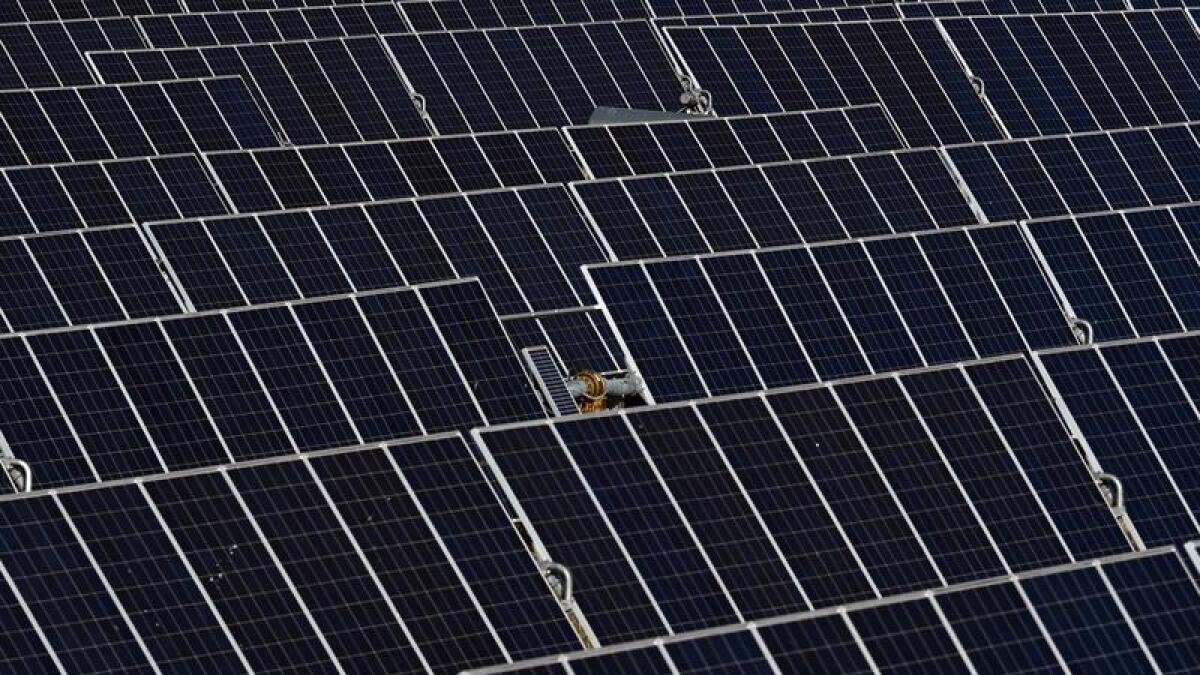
(559, 578)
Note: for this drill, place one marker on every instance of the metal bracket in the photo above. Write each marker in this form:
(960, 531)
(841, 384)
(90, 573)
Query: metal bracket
(19, 473)
(696, 101)
(560, 580)
(977, 84)
(1084, 333)
(1113, 491)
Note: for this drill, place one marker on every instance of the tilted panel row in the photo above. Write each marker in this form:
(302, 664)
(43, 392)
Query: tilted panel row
(271, 25)
(64, 10)
(775, 204)
(1134, 405)
(435, 15)
(337, 90)
(52, 53)
(615, 150)
(80, 277)
(949, 8)
(393, 559)
(1081, 173)
(682, 517)
(1127, 274)
(727, 323)
(131, 399)
(304, 176)
(905, 65)
(521, 78)
(823, 15)
(1132, 613)
(114, 192)
(526, 246)
(705, 7)
(51, 126)
(1064, 73)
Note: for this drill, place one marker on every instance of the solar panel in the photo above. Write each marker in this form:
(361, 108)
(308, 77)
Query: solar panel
(547, 76)
(950, 8)
(525, 245)
(706, 7)
(1127, 274)
(334, 90)
(615, 150)
(1080, 173)
(681, 517)
(775, 204)
(1133, 404)
(1064, 73)
(51, 53)
(47, 126)
(823, 15)
(435, 15)
(905, 65)
(169, 591)
(322, 175)
(1125, 612)
(135, 398)
(54, 197)
(66, 10)
(239, 5)
(80, 277)
(716, 324)
(206, 29)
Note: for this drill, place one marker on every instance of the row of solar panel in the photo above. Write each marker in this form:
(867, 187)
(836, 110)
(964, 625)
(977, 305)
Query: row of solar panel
(1081, 173)
(297, 177)
(1048, 75)
(709, 325)
(828, 199)
(65, 10)
(1131, 614)
(337, 90)
(614, 150)
(348, 89)
(776, 204)
(49, 126)
(232, 570)
(91, 194)
(114, 192)
(670, 8)
(526, 246)
(80, 277)
(139, 398)
(879, 12)
(1038, 75)
(48, 198)
(676, 518)
(1134, 405)
(275, 25)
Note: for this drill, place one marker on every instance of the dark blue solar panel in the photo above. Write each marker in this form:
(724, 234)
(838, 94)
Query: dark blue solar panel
(858, 496)
(62, 590)
(1084, 621)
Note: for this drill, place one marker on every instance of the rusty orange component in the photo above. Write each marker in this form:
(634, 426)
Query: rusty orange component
(593, 395)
